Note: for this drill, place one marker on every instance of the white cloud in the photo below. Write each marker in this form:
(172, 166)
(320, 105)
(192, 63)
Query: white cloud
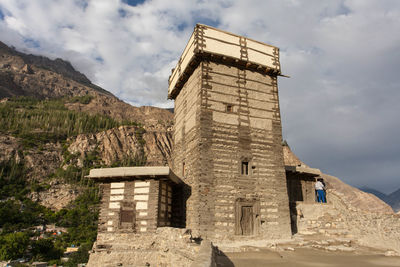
(339, 106)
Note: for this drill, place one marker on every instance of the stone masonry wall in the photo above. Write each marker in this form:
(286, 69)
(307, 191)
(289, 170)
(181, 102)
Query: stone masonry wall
(225, 115)
(139, 197)
(187, 144)
(163, 248)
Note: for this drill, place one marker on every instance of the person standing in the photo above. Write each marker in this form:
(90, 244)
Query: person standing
(320, 189)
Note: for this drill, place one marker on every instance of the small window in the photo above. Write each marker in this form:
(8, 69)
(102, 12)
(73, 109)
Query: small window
(229, 108)
(245, 168)
(126, 216)
(183, 169)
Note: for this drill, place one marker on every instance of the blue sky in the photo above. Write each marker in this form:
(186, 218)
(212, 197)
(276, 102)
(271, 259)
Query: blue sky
(133, 2)
(339, 108)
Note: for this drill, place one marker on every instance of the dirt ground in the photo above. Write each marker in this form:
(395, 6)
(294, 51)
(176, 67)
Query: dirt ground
(303, 257)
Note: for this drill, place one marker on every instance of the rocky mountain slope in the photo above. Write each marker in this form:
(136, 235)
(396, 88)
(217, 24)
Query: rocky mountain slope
(144, 133)
(40, 77)
(393, 199)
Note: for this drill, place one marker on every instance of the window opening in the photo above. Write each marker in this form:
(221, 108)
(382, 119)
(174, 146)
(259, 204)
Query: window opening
(126, 216)
(245, 168)
(229, 108)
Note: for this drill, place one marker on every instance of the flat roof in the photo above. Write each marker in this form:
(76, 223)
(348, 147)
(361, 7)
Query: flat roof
(209, 42)
(134, 172)
(303, 169)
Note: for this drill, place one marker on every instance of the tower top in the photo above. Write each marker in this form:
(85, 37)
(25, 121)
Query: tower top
(217, 45)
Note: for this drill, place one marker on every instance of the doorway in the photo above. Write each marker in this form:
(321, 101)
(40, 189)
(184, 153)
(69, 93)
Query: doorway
(247, 217)
(246, 221)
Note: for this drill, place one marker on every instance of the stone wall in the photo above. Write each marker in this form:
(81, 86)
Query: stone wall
(206, 256)
(138, 200)
(226, 119)
(165, 247)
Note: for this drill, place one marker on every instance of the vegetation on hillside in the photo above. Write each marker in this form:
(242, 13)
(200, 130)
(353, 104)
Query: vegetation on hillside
(40, 121)
(19, 217)
(35, 123)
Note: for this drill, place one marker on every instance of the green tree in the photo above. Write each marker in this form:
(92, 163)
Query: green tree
(81, 256)
(44, 250)
(13, 245)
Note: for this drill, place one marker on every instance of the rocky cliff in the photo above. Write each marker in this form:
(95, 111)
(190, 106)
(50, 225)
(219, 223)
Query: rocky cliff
(122, 143)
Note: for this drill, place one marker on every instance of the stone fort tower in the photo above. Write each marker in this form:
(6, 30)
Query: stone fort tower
(228, 137)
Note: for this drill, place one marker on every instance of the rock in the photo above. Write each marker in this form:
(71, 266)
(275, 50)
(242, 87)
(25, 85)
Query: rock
(344, 248)
(307, 232)
(391, 253)
(120, 143)
(323, 242)
(331, 248)
(27, 69)
(57, 197)
(289, 249)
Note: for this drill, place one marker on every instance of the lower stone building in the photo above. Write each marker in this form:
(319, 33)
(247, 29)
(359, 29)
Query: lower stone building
(139, 199)
(142, 218)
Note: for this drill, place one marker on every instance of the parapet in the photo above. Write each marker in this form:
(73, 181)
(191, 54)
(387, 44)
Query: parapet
(215, 44)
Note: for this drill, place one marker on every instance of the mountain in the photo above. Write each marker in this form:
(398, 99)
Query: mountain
(374, 192)
(14, 59)
(392, 199)
(43, 78)
(132, 132)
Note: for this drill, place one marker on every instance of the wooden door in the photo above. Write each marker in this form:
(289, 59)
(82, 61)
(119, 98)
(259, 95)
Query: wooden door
(246, 220)
(127, 215)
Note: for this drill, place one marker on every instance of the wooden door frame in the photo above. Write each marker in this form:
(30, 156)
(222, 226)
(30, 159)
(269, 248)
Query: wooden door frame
(243, 202)
(129, 206)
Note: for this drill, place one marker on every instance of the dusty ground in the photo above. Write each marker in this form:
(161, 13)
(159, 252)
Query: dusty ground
(304, 257)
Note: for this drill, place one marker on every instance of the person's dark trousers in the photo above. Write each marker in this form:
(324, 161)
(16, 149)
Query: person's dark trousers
(321, 196)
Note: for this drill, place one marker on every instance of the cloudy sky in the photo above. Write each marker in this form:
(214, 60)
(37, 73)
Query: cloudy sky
(339, 107)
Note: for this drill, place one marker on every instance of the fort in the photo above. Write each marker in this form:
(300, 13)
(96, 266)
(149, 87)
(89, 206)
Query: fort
(228, 180)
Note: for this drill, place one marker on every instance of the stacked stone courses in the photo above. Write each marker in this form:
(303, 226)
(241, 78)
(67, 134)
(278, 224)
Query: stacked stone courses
(139, 195)
(227, 114)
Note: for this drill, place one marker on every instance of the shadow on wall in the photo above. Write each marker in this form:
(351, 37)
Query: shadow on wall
(295, 193)
(293, 217)
(180, 195)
